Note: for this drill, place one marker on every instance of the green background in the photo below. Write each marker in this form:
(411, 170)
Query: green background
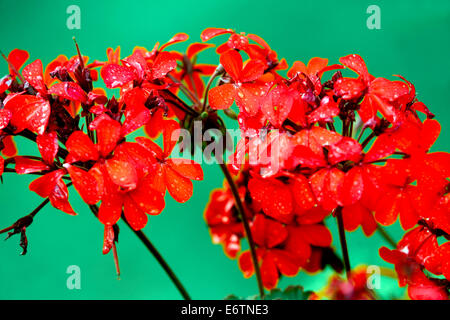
(413, 41)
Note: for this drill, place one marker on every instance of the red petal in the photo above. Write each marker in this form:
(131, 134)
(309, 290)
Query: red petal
(116, 76)
(48, 146)
(179, 37)
(277, 105)
(349, 88)
(108, 239)
(221, 97)
(269, 272)
(136, 114)
(357, 64)
(196, 48)
(150, 146)
(85, 184)
(108, 133)
(316, 64)
(70, 91)
(134, 215)
(248, 97)
(2, 165)
(137, 62)
(285, 262)
(5, 117)
(316, 234)
(388, 90)
(302, 192)
(209, 33)
(25, 165)
(327, 110)
(381, 148)
(179, 187)
(170, 136)
(274, 196)
(59, 198)
(147, 198)
(387, 110)
(142, 159)
(10, 149)
(352, 216)
(326, 185)
(110, 208)
(29, 112)
(246, 264)
(346, 149)
(187, 168)
(164, 63)
(34, 75)
(45, 185)
(353, 186)
(232, 63)
(387, 209)
(17, 58)
(122, 173)
(297, 68)
(81, 147)
(252, 71)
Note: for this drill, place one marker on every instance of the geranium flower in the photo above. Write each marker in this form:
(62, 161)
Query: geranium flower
(379, 93)
(242, 90)
(174, 175)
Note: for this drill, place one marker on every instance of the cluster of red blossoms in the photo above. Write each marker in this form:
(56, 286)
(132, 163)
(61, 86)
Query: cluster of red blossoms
(356, 148)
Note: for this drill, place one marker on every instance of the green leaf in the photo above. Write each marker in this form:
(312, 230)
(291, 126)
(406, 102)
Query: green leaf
(290, 293)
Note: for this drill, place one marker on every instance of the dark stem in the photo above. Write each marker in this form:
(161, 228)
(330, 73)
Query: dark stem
(161, 261)
(181, 104)
(241, 212)
(154, 252)
(219, 70)
(340, 221)
(185, 90)
(386, 236)
(39, 207)
(9, 170)
(32, 136)
(367, 140)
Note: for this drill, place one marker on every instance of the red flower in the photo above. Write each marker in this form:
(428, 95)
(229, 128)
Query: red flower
(220, 215)
(379, 93)
(268, 234)
(242, 90)
(191, 72)
(174, 175)
(354, 288)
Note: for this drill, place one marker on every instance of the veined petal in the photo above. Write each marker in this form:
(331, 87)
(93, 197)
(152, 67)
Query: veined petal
(187, 168)
(222, 97)
(34, 75)
(81, 147)
(134, 215)
(48, 146)
(85, 184)
(26, 165)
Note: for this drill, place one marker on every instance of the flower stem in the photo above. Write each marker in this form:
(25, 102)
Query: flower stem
(241, 212)
(162, 262)
(154, 252)
(340, 221)
(386, 236)
(219, 70)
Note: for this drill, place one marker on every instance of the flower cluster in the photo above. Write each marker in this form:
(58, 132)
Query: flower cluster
(351, 146)
(95, 155)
